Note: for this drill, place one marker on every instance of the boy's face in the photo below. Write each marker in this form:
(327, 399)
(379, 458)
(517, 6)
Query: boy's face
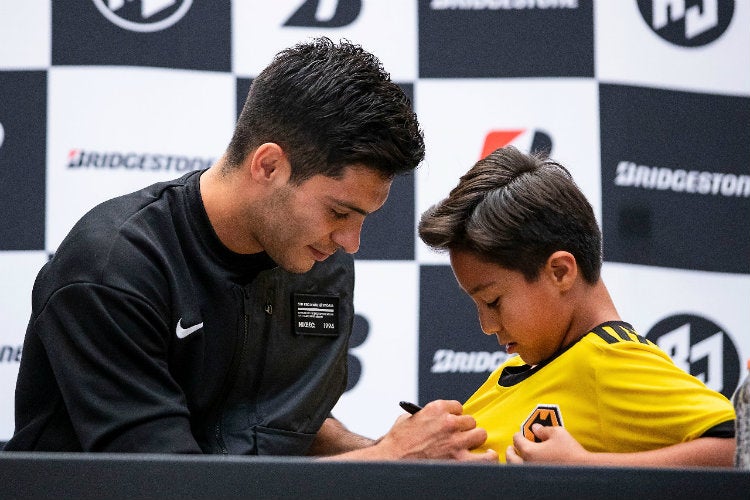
(530, 318)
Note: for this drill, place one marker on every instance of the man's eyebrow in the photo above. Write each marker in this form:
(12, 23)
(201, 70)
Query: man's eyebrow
(351, 207)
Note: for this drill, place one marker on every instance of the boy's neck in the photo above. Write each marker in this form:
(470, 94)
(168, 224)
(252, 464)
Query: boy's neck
(595, 306)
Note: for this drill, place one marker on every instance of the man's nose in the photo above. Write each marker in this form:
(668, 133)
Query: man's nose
(347, 237)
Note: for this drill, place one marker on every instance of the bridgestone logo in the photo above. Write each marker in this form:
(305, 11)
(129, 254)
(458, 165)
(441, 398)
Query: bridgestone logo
(449, 361)
(10, 354)
(630, 174)
(502, 4)
(78, 158)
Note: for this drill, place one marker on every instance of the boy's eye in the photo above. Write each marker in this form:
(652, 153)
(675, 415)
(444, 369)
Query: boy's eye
(494, 303)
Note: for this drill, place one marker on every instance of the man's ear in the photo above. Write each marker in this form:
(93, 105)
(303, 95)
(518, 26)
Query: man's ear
(268, 164)
(562, 269)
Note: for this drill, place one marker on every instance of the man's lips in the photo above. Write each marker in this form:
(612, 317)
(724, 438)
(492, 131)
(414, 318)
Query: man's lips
(318, 255)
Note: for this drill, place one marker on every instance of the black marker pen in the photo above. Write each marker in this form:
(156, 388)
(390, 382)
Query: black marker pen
(409, 407)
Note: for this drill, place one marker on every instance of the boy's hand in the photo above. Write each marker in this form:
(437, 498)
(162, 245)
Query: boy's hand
(557, 446)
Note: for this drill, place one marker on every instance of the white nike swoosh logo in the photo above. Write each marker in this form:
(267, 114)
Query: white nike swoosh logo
(184, 332)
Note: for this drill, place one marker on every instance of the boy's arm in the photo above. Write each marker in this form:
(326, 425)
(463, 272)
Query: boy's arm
(558, 446)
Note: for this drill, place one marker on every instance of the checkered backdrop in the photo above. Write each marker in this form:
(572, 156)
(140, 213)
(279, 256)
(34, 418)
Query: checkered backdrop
(647, 102)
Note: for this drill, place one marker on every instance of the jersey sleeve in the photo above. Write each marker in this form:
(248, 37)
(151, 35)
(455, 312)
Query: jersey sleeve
(645, 399)
(108, 351)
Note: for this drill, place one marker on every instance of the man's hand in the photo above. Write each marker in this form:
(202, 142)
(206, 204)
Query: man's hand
(557, 446)
(439, 431)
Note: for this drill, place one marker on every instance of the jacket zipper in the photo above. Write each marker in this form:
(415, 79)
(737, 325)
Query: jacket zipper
(268, 310)
(235, 369)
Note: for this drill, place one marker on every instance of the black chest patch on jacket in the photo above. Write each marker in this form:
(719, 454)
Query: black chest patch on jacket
(315, 314)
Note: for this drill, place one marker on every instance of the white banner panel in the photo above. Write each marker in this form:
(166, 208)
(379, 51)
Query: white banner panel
(386, 296)
(18, 271)
(682, 46)
(25, 34)
(116, 130)
(387, 28)
(646, 296)
(461, 118)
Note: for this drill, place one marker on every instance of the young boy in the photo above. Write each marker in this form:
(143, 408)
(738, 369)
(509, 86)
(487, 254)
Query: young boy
(585, 387)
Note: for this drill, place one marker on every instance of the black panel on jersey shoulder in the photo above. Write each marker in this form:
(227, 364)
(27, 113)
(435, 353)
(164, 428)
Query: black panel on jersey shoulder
(512, 375)
(624, 332)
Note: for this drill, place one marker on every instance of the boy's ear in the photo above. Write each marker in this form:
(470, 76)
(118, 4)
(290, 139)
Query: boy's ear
(268, 164)
(562, 268)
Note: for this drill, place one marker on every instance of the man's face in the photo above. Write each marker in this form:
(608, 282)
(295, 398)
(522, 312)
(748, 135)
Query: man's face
(529, 318)
(309, 222)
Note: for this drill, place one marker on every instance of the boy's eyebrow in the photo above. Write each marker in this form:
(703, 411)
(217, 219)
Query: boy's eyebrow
(478, 288)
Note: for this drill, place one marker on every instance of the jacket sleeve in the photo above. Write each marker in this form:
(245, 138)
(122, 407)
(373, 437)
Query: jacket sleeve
(108, 350)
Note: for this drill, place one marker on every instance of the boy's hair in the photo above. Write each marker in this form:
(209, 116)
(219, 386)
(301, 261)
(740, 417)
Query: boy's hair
(329, 106)
(515, 210)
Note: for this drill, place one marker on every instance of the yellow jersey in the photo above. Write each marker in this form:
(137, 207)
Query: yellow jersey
(613, 390)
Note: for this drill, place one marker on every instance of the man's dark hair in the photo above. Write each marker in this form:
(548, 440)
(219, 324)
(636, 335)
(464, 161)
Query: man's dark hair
(515, 210)
(329, 106)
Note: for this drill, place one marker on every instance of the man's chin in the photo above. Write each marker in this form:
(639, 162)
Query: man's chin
(297, 267)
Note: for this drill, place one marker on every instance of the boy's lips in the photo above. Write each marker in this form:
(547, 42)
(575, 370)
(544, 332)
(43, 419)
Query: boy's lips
(510, 347)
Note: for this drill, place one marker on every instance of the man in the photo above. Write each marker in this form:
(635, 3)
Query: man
(525, 246)
(211, 314)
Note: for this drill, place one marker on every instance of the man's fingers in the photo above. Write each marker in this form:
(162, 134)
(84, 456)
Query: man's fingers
(464, 422)
(447, 405)
(473, 438)
(485, 456)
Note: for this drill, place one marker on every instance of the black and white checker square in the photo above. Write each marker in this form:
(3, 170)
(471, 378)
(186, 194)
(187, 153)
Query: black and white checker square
(155, 129)
(490, 113)
(182, 34)
(676, 187)
(495, 39)
(23, 134)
